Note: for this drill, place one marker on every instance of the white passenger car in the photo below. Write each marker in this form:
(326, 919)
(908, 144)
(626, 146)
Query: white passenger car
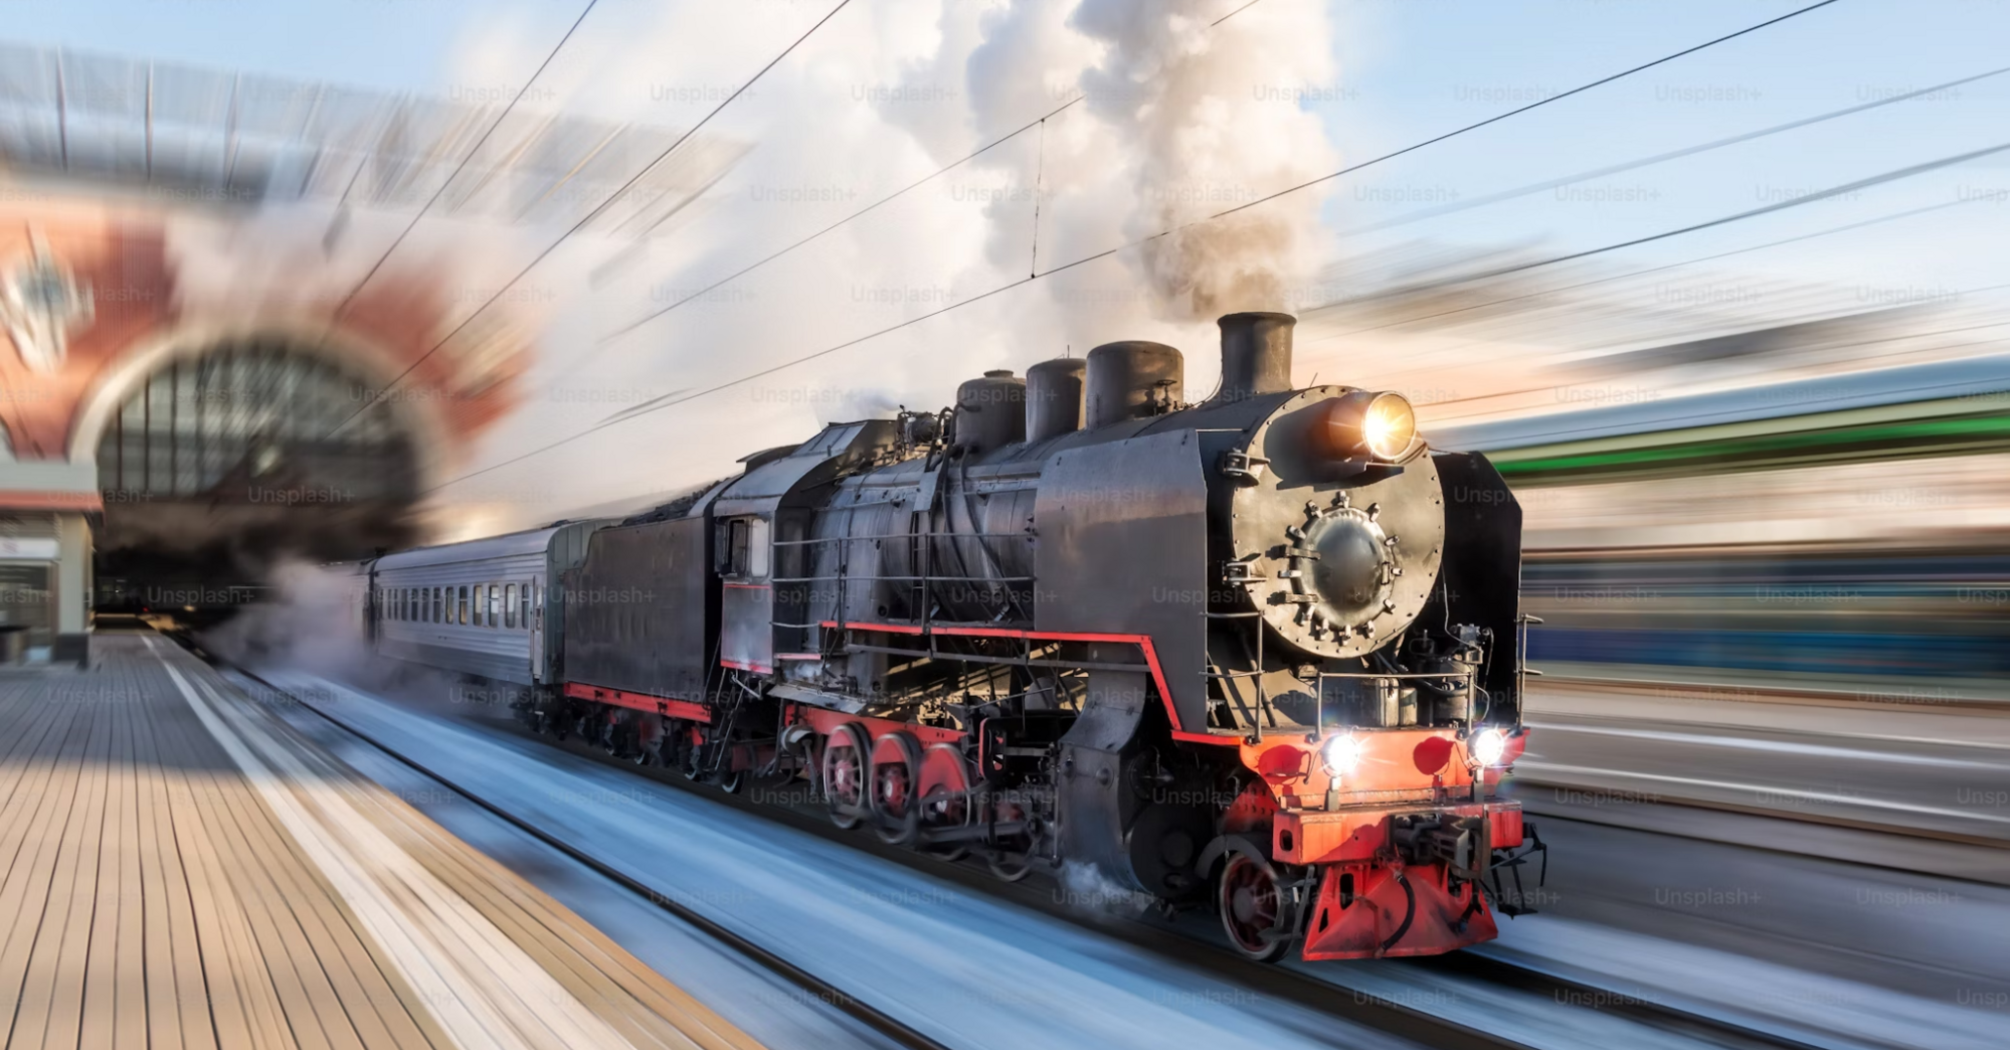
(490, 607)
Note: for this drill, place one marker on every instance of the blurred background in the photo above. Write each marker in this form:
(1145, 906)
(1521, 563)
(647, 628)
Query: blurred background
(302, 283)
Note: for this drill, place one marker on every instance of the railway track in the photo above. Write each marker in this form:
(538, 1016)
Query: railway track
(1328, 994)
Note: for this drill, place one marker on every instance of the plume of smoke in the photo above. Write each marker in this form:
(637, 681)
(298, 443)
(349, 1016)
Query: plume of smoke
(1203, 118)
(1180, 119)
(313, 622)
(1085, 888)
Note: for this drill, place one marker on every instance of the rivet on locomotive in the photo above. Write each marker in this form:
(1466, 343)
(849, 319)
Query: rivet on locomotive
(1258, 652)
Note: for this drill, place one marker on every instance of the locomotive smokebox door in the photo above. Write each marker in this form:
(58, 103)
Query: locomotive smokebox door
(1337, 553)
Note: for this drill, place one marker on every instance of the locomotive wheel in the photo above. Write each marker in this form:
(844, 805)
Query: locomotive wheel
(648, 741)
(1007, 865)
(1253, 910)
(689, 754)
(845, 770)
(730, 780)
(945, 802)
(896, 780)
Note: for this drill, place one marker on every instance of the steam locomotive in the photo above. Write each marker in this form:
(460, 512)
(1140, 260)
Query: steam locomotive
(1261, 651)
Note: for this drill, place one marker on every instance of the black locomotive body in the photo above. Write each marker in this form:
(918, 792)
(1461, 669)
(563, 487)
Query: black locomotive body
(1259, 651)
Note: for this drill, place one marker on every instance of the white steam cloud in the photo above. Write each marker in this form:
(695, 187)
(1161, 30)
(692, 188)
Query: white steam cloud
(1180, 119)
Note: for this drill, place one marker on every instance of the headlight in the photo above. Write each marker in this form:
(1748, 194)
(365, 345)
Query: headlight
(1341, 754)
(1383, 426)
(1390, 426)
(1487, 746)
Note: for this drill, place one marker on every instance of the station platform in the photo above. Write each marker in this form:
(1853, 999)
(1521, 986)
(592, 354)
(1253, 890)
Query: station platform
(181, 869)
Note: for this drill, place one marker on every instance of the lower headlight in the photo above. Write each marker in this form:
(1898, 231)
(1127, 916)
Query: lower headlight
(1341, 754)
(1487, 746)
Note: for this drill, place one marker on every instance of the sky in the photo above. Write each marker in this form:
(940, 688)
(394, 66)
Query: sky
(890, 89)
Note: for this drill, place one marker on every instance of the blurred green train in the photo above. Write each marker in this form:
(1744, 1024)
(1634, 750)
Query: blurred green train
(1839, 529)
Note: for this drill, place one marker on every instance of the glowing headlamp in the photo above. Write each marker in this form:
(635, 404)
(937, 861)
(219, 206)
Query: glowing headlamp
(1382, 426)
(1341, 754)
(1487, 746)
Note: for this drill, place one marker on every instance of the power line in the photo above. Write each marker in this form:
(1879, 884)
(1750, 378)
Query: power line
(377, 396)
(1849, 187)
(736, 275)
(667, 402)
(1880, 220)
(1480, 418)
(875, 205)
(1687, 151)
(1038, 122)
(1497, 118)
(671, 401)
(1232, 14)
(458, 168)
(1766, 209)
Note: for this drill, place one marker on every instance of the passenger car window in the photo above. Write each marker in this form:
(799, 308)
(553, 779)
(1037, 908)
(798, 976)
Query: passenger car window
(509, 605)
(495, 605)
(461, 604)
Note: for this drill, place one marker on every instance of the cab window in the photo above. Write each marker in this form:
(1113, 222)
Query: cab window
(742, 545)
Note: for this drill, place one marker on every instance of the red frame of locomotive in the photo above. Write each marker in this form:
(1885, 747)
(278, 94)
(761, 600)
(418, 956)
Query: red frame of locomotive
(1364, 900)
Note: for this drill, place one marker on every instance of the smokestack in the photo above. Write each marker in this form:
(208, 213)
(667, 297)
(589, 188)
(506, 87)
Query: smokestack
(1133, 380)
(1255, 355)
(1054, 398)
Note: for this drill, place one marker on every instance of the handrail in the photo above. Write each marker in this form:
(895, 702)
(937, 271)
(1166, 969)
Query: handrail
(904, 579)
(903, 536)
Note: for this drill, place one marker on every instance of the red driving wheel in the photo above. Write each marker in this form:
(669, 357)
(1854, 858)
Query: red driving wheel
(945, 795)
(1253, 910)
(896, 777)
(844, 771)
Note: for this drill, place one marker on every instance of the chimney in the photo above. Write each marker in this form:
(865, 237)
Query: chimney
(1255, 355)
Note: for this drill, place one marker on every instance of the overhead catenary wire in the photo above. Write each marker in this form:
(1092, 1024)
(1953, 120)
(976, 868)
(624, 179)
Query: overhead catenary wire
(1039, 122)
(668, 402)
(681, 396)
(619, 194)
(1661, 158)
(466, 158)
(1630, 274)
(1751, 213)
(1537, 104)
(631, 326)
(875, 205)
